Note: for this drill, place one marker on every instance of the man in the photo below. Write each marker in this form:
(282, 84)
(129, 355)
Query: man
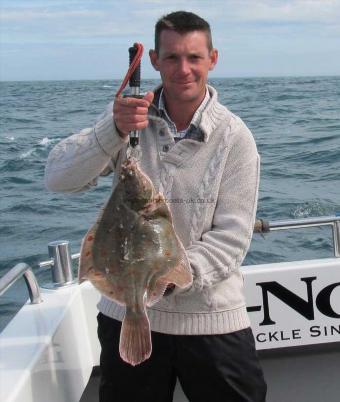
(204, 159)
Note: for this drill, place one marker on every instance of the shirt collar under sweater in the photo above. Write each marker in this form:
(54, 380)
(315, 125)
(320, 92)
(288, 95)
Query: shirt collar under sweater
(212, 116)
(192, 131)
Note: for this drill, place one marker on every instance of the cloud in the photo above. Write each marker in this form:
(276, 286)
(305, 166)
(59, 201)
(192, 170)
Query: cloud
(30, 15)
(64, 23)
(250, 10)
(289, 11)
(242, 9)
(229, 11)
(248, 29)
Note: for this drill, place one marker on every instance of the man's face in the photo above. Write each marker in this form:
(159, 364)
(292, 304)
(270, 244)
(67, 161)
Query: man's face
(184, 61)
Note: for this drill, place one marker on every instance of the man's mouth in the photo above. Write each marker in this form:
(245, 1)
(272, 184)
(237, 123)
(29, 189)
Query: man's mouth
(184, 82)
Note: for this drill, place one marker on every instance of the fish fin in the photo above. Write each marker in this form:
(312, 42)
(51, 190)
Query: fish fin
(135, 338)
(85, 259)
(101, 212)
(156, 292)
(180, 275)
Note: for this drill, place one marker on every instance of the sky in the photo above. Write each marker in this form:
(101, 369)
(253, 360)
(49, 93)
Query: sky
(88, 39)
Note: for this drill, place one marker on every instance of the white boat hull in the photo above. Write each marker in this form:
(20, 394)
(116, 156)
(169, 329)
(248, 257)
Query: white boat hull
(48, 350)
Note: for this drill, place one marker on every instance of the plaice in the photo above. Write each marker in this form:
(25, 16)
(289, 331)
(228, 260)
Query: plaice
(131, 254)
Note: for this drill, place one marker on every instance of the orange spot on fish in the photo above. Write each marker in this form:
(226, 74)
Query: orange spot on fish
(167, 253)
(90, 238)
(88, 253)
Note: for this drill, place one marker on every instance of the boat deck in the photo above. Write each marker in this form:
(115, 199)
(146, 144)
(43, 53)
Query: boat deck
(295, 367)
(91, 391)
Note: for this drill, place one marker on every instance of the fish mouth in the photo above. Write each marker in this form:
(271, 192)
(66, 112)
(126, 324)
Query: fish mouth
(130, 163)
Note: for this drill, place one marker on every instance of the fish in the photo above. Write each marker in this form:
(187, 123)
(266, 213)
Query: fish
(132, 254)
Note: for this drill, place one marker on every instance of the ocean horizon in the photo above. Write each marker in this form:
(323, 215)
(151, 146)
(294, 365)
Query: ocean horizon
(158, 79)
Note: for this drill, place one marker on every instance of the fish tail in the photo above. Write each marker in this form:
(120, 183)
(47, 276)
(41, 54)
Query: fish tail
(135, 338)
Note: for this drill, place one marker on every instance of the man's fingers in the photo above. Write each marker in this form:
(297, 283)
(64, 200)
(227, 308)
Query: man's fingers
(135, 118)
(132, 113)
(132, 102)
(149, 97)
(143, 111)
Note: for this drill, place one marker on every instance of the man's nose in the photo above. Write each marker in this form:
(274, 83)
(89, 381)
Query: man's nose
(184, 66)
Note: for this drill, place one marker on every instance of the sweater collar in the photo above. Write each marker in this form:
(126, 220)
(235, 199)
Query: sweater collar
(211, 116)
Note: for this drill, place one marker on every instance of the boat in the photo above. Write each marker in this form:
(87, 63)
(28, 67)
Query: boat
(50, 352)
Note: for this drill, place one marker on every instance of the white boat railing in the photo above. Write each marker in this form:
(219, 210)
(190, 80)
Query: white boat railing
(262, 226)
(61, 257)
(62, 272)
(18, 271)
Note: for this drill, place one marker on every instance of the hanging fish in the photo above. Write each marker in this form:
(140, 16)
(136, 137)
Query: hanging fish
(132, 254)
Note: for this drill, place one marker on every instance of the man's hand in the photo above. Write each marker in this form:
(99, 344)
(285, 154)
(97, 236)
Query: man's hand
(131, 113)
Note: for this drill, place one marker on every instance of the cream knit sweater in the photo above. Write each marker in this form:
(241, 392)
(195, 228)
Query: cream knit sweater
(211, 187)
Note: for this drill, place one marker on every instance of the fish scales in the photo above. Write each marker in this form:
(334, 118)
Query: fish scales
(131, 254)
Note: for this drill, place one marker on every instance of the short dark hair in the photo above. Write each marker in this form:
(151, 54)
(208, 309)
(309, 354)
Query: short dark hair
(182, 22)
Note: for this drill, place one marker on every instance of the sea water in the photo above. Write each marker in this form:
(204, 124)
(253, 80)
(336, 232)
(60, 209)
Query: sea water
(295, 122)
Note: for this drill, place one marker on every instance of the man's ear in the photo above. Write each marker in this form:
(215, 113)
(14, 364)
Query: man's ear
(154, 59)
(213, 58)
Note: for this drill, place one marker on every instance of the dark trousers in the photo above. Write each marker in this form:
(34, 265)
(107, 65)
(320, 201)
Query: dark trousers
(210, 368)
